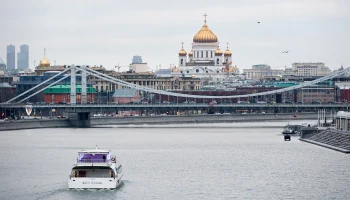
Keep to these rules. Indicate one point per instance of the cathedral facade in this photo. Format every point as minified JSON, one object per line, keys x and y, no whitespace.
{"x":206,"y":60}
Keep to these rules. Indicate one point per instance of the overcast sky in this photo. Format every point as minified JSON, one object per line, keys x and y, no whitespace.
{"x":108,"y":32}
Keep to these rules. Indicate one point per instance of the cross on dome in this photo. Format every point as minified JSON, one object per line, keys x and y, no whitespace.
{"x":227,"y":52}
{"x":205,"y":17}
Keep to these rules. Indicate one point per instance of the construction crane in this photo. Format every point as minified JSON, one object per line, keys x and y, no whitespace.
{"x":118,"y":66}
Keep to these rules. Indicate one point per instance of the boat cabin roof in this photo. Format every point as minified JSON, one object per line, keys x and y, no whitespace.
{"x":99,"y":151}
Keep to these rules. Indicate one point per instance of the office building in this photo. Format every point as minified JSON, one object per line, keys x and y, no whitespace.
{"x":23,"y":57}
{"x":310,"y":69}
{"x":136,"y":59}
{"x":11,"y":57}
{"x":261,"y":71}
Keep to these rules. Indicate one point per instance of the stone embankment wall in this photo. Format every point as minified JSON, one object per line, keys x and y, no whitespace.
{"x":60,"y":123}
{"x":171,"y":119}
{"x":333,"y":139}
{"x":35,"y":123}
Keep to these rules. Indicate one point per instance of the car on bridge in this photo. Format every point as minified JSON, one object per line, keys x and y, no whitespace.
{"x":243,"y":102}
{"x":333,"y":102}
{"x":214,"y":102}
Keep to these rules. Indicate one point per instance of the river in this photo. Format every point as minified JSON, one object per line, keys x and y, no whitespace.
{"x":213,"y":161}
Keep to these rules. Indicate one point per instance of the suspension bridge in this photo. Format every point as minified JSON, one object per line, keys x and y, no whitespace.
{"x":80,"y":112}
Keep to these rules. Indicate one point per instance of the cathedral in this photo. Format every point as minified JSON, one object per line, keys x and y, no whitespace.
{"x":206,"y":60}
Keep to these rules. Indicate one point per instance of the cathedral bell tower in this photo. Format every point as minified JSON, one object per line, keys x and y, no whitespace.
{"x":227,"y":56}
{"x":218,"y":57}
{"x":182,"y":57}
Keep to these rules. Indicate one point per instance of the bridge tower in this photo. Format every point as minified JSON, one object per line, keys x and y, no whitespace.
{"x":83,"y":85}
{"x":73,"y":92}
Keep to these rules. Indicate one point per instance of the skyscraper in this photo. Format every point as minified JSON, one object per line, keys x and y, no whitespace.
{"x":136,"y":59}
{"x":11,"y":57}
{"x":23,"y":57}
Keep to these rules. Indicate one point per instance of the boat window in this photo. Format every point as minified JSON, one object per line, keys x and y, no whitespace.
{"x":92,"y":157}
{"x":82,"y":173}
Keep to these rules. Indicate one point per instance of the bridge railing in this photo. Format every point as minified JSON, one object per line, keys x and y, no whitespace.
{"x":172,"y":105}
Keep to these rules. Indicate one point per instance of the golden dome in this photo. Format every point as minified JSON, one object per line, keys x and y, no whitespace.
{"x":182,"y":52}
{"x":227,"y":52}
{"x":44,"y":62}
{"x":190,"y":54}
{"x":218,"y":52}
{"x":205,"y":35}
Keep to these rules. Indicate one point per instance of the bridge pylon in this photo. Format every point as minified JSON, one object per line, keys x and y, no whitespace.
{"x":73,"y":89}
{"x":83,"y":85}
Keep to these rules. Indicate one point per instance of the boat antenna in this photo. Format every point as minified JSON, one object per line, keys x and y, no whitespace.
{"x":96,"y":146}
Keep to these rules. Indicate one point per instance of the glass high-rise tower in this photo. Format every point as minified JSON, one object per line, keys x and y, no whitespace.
{"x":23,"y":57}
{"x":11,"y":57}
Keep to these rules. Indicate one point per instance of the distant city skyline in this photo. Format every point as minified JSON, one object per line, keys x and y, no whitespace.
{"x":311,"y":31}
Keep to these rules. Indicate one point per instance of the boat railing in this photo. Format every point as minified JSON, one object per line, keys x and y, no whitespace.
{"x":89,"y":160}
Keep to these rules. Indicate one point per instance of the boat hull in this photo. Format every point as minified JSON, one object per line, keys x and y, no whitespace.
{"x":94,"y":183}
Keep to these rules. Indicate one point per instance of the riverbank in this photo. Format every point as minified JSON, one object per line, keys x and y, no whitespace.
{"x":183,"y":119}
{"x":170,"y":119}
{"x":33,"y":124}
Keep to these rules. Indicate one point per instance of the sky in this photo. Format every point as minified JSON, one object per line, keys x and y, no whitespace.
{"x":110,"y":32}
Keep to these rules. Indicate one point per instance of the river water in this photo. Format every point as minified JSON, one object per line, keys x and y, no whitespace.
{"x":201,"y":162}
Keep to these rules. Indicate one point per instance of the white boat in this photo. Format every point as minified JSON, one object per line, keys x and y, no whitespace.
{"x":95,"y":169}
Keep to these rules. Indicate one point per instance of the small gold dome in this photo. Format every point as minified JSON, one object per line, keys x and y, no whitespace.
{"x":182,"y":52}
{"x":218,"y":52}
{"x":44,"y":62}
{"x":205,"y":35}
{"x":190,"y":54}
{"x":227,"y":52}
